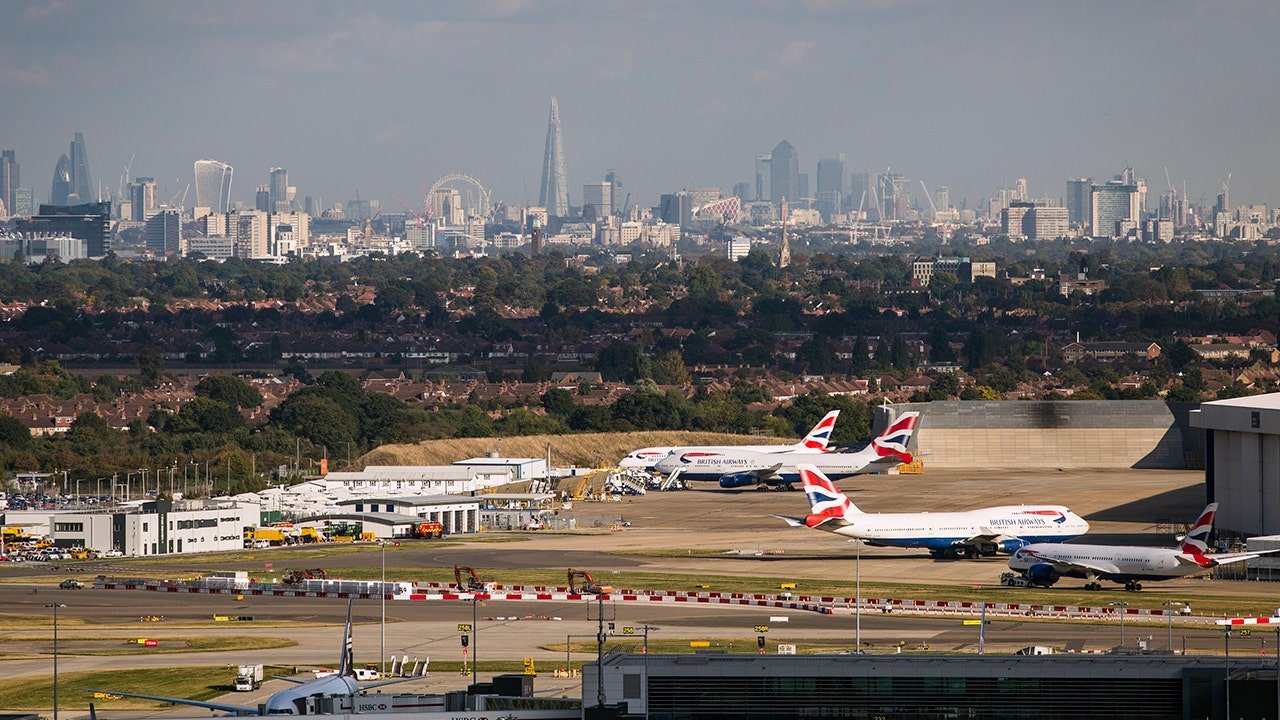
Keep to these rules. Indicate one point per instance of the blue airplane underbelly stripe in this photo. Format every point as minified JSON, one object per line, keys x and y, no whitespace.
{"x":943,"y":543}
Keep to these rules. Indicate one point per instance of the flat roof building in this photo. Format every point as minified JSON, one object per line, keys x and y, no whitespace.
{"x":1242,"y":461}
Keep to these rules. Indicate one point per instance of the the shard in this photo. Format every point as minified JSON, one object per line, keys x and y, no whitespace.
{"x":554,"y":195}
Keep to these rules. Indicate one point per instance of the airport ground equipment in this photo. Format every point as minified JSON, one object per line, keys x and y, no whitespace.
{"x":589,"y":586}
{"x":295,"y":577}
{"x":473,"y":582}
{"x":248,"y":678}
{"x":429,"y":530}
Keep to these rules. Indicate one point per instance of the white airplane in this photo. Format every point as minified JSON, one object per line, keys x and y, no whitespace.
{"x":294,"y":700}
{"x":815,"y":442}
{"x":970,"y":533}
{"x":734,"y":467}
{"x":1044,"y":563}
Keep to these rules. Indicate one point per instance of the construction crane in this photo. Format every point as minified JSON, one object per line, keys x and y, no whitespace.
{"x":625,"y":204}
{"x":929,"y":196}
{"x":473,"y":582}
{"x":589,"y":586}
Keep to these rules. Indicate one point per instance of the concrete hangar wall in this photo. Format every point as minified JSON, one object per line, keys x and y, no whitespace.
{"x":1062,"y":434}
{"x":1242,"y":461}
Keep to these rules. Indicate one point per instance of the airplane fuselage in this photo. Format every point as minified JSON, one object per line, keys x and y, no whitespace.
{"x":1114,"y":562}
{"x":714,"y":464}
{"x":648,"y":458}
{"x":1006,"y":527}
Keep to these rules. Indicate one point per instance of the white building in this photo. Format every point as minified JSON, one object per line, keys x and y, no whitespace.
{"x":1242,"y":461}
{"x":738,"y":248}
{"x":458,"y":514}
{"x":157,"y":527}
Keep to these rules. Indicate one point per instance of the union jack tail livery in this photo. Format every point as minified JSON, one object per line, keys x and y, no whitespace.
{"x":895,"y":438}
{"x":820,"y":436}
{"x":1196,"y":542}
{"x":826,"y":503}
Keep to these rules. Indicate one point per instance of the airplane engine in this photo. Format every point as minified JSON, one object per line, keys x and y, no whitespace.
{"x":737,"y":480}
{"x":1012,"y":545}
{"x":1043,"y":574}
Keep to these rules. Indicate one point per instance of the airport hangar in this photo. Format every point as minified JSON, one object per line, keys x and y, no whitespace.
{"x":1242,"y":461}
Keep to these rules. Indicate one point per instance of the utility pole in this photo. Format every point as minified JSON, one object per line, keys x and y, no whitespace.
{"x":599,"y":618}
{"x":55,"y":607}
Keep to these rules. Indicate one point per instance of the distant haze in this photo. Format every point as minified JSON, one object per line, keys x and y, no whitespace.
{"x":378,"y":97}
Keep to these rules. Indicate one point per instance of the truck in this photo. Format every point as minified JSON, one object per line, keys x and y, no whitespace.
{"x":248,"y":678}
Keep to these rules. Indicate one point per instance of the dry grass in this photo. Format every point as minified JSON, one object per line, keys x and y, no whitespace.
{"x":583,"y":450}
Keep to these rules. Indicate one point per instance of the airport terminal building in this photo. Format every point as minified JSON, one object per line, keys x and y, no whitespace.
{"x":1242,"y":461}
{"x":992,"y":687}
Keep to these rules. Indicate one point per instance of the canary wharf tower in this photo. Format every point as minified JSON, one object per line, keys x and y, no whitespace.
{"x":555,"y":180}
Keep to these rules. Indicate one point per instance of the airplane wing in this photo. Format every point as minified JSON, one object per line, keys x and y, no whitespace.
{"x":792,"y":521}
{"x":233,"y":709}
{"x":370,"y":686}
{"x":1102,"y":569}
{"x":288,"y":679}
{"x":766,"y":473}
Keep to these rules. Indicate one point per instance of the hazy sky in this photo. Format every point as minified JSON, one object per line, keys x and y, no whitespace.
{"x":382,"y":96}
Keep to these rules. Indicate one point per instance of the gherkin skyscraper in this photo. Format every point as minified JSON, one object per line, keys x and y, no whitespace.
{"x":554,"y":195}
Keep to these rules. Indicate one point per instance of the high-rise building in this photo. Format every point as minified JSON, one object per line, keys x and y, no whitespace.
{"x":1011,"y":218}
{"x":9,"y":179}
{"x":1044,"y":222}
{"x":597,"y":201}
{"x":802,"y":187}
{"x":615,"y":189}
{"x":90,"y":222}
{"x":163,"y":232}
{"x":943,"y":198}
{"x":142,"y":198}
{"x":784,"y":171}
{"x":1111,"y":204}
{"x":895,"y":196}
{"x":280,"y":201}
{"x":859,"y":191}
{"x":23,"y":202}
{"x":830,"y":185}
{"x":742,"y":191}
{"x":554,"y":195}
{"x":676,"y":208}
{"x":62,"y":187}
{"x":262,"y":198}
{"x":81,"y":185}
{"x":1079,"y":200}
{"x":213,"y":185}
{"x":764,"y":177}
{"x":248,"y":231}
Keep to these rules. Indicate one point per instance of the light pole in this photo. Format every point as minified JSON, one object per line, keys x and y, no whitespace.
{"x":55,"y":607}
{"x":1171,"y":604}
{"x":1226,"y":650}
{"x":857,"y":592}
{"x":382,"y":592}
{"x":1122,"y":605}
{"x":475,"y":636}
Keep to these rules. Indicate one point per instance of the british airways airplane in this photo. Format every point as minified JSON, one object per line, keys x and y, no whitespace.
{"x":735,"y":467}
{"x":293,"y":700}
{"x":970,"y":533}
{"x":815,"y":442}
{"x":1043,"y":564}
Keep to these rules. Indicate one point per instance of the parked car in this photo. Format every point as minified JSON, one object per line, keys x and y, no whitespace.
{"x":71,"y":584}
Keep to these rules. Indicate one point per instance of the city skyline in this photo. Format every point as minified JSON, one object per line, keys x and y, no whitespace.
{"x":691,"y":108}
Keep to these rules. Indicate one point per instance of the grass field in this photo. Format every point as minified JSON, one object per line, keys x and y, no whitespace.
{"x":583,"y":450}
{"x":71,"y":644}
{"x":196,"y":683}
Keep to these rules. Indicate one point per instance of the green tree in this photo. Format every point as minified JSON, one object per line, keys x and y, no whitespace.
{"x":13,"y":434}
{"x":558,"y":401}
{"x":211,"y":416}
{"x":817,"y":355}
{"x":940,"y":346}
{"x":229,"y":389}
{"x":669,"y":369}
{"x":319,"y":419}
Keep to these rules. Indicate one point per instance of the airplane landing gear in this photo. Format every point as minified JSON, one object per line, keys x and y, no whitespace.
{"x":1093,"y":586}
{"x":1133,"y":586}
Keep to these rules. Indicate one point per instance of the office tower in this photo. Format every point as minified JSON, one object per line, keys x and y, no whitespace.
{"x":309,"y":205}
{"x":764,"y":177}
{"x":62,"y":188}
{"x":943,"y":201}
{"x":554,"y":195}
{"x":213,"y":185}
{"x":1111,"y":204}
{"x":142,"y":198}
{"x":9,"y":179}
{"x":1044,"y":222}
{"x":895,"y":196}
{"x":859,"y":191}
{"x":597,"y":201}
{"x":248,"y":231}
{"x":1079,"y":200}
{"x":81,"y":185}
{"x":279,"y":200}
{"x":1012,"y":216}
{"x":742,"y":191}
{"x":676,"y":208}
{"x":163,"y":232}
{"x":784,"y":181}
{"x":1020,"y":190}
{"x":802,"y":187}
{"x":262,"y":198}
{"x":23,"y":202}
{"x":830,"y":185}
{"x":446,"y":204}
{"x":615,"y":190}
{"x":90,"y":222}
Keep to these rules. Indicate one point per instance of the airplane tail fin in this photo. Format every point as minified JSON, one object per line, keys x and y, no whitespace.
{"x":826,"y":502}
{"x":346,"y":666}
{"x":819,"y":438}
{"x":895,"y":438}
{"x":1196,"y":542}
